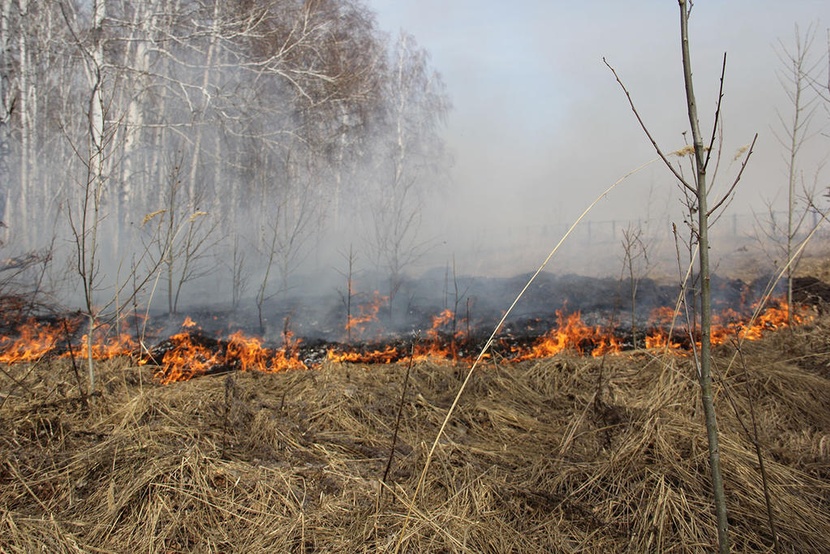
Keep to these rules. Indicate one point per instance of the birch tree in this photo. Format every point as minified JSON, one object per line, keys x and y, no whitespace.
{"x":97,"y":94}
{"x":6,"y":105}
{"x":413,"y":160}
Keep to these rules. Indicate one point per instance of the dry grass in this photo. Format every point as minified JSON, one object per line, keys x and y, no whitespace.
{"x":565,"y":454}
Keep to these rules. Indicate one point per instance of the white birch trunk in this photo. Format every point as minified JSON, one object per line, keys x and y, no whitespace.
{"x":199,"y":116}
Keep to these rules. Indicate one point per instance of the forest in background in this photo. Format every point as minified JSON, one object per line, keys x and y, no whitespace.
{"x":146,"y":144}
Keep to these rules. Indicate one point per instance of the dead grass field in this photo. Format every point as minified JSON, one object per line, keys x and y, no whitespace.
{"x":566,"y":454}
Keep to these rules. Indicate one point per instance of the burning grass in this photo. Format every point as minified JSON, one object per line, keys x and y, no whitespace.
{"x":564,"y":454}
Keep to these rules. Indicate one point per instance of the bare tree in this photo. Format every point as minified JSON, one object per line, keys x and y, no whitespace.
{"x":97,"y":158}
{"x":110,"y":90}
{"x":413,"y":159}
{"x":86,"y":224}
{"x":181,"y":239}
{"x":238,"y":269}
{"x":347,"y":295}
{"x":286,"y":235}
{"x":698,"y":194}
{"x":635,"y":263}
{"x":795,"y":131}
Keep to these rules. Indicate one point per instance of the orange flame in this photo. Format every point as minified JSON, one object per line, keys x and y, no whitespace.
{"x":659,"y":339}
{"x":187,"y":355}
{"x":727,"y":325}
{"x":367,"y":313}
{"x":107,"y":347}
{"x":250,"y":355}
{"x":185,"y":360}
{"x":385,"y":356}
{"x":188,"y":358}
{"x":439,"y":321}
{"x":35,"y":340}
{"x":436,"y":347}
{"x":572,"y":334}
{"x":731,"y":326}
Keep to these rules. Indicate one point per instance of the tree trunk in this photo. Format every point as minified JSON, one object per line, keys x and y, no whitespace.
{"x":95,"y":183}
{"x":705,"y":369}
{"x":22,"y":207}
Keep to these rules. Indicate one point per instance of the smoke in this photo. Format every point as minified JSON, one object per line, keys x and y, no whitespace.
{"x":540,"y":127}
{"x":462,"y":148}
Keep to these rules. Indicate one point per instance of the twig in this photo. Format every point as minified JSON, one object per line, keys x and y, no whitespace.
{"x":398,"y":418}
{"x":646,"y":131}
{"x":229,"y":397}
{"x":753,"y":438}
{"x":13,"y":469}
{"x":74,"y":364}
{"x":717,"y":113}
{"x":737,"y":178}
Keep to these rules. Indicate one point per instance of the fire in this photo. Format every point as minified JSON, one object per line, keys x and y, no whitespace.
{"x":664,"y":316}
{"x":106,"y":348}
{"x":659,"y":339}
{"x":249,"y":354}
{"x":385,"y":356}
{"x":185,"y":360}
{"x":194,"y":355}
{"x":439,"y":321}
{"x":572,"y":334}
{"x":34,"y":341}
{"x":730,"y":326}
{"x":191,"y":353}
{"x":437,"y":347}
{"x":367,"y":314}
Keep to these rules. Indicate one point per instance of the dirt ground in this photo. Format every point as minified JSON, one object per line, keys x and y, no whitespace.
{"x":566,"y":454}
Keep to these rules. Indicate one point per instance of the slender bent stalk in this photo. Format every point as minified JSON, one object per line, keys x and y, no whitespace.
{"x":487,"y":345}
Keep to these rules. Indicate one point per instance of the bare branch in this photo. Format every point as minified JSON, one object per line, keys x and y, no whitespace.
{"x":646,"y":131}
{"x":737,"y":178}
{"x":717,"y":112}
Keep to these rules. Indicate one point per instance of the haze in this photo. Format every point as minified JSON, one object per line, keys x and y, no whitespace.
{"x":540,"y":127}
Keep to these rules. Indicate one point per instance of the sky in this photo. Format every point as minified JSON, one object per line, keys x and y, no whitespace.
{"x":540,"y":128}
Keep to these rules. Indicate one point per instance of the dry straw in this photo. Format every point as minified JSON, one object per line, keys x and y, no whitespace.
{"x":567,"y":454}
{"x":492,"y":337}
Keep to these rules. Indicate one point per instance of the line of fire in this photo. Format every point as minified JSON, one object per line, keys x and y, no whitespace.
{"x":194,"y":351}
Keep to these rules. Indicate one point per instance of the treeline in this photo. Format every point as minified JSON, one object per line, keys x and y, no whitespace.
{"x":166,"y":139}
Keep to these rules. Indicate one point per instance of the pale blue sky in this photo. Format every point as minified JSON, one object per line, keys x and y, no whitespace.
{"x":540,"y":127}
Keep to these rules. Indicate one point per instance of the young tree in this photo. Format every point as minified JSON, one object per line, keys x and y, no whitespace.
{"x":86,"y":224}
{"x":794,"y":133}
{"x":698,"y":195}
{"x":635,"y":263}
